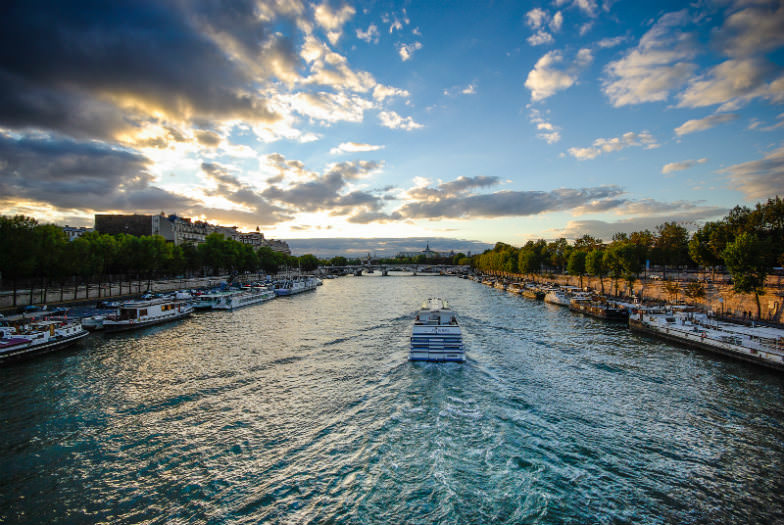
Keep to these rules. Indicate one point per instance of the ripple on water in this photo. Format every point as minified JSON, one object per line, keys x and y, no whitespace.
{"x":307,"y":411}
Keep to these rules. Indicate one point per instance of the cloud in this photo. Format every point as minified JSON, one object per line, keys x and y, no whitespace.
{"x":691,"y":126}
{"x":753,"y":30}
{"x":330,"y":107}
{"x":79,"y":175}
{"x":602,"y":145}
{"x":353,"y":147}
{"x":642,"y":215}
{"x":540,"y":37}
{"x":734,"y":83}
{"x":545,"y":79}
{"x":658,"y":64}
{"x":536,"y":18}
{"x":606,"y":43}
{"x":382,"y":92}
{"x":683,"y":165}
{"x":329,"y":192}
{"x":332,"y":20}
{"x":759,"y":179}
{"x":452,"y":201}
{"x":392,"y":120}
{"x":371,"y":35}
{"x":557,"y":22}
{"x":546,"y":130}
{"x":586,"y":6}
{"x":207,"y":138}
{"x":406,"y":51}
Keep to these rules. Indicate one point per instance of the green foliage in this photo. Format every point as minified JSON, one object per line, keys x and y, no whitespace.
{"x":308,"y":262}
{"x":576,"y":265}
{"x":748,"y":261}
{"x":694,"y":290}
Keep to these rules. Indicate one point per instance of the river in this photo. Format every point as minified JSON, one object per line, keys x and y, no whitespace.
{"x":305,"y":410}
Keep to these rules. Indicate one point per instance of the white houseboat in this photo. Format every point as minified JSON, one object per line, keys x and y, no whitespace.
{"x":756,"y":344}
{"x":436,"y":334}
{"x":139,"y":314}
{"x":295,"y":286}
{"x":24,"y":340}
{"x":244,"y":297}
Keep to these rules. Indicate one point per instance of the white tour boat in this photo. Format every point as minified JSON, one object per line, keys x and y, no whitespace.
{"x":38,"y":337}
{"x":436,"y":334}
{"x":244,"y":297}
{"x":295,"y":286}
{"x":139,"y":314}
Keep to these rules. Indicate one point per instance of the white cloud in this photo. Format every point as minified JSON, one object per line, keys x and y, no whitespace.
{"x":371,"y":35}
{"x":557,"y":22}
{"x":536,"y":18}
{"x":682,"y":165}
{"x":586,"y":6}
{"x":606,"y":43}
{"x":392,"y":120}
{"x":657,"y":65}
{"x":544,"y":80}
{"x":759,"y":179}
{"x":354,"y":147}
{"x":755,"y":29}
{"x":332,"y":20}
{"x":732,"y":84}
{"x":381,"y":92}
{"x":407,"y":50}
{"x":330,"y":107}
{"x":602,"y":145}
{"x":545,"y":130}
{"x":691,"y":126}
{"x":470,"y":89}
{"x":540,"y":37}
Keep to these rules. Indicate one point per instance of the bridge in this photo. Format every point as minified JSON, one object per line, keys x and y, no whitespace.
{"x":395,"y":269}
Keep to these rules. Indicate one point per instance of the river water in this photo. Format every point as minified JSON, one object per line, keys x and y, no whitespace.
{"x":306,"y":410}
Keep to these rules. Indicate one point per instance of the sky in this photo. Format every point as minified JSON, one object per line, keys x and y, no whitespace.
{"x":482,"y":121}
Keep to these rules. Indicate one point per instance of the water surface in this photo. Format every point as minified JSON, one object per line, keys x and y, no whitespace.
{"x":306,"y":410}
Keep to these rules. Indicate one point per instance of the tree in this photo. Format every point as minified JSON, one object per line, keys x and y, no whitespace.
{"x":338,"y":261}
{"x":17,"y":253}
{"x":748,"y":261}
{"x":673,"y":289}
{"x":701,"y":247}
{"x":594,"y":265}
{"x":694,"y":290}
{"x":671,"y":246}
{"x":308,"y":262}
{"x":576,"y":265}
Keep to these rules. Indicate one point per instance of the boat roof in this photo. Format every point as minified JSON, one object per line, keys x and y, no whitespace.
{"x":435,"y":303}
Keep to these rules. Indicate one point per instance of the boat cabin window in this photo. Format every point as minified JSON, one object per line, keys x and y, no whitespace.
{"x":127,"y":313}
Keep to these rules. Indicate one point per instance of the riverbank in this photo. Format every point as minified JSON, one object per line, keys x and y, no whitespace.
{"x":719,"y":299}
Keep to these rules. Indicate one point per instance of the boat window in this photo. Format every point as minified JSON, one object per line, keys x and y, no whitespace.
{"x":142,"y":312}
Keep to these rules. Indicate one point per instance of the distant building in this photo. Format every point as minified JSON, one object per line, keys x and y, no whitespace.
{"x":74,"y":232}
{"x":427,"y":252}
{"x":180,"y":230}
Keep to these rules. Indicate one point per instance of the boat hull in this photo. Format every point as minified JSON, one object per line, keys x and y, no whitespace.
{"x":29,"y":351}
{"x":695,"y":340}
{"x":124,"y":326}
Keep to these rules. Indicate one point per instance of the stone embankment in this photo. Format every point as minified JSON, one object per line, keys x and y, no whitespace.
{"x":110,"y":291}
{"x":720,"y":299}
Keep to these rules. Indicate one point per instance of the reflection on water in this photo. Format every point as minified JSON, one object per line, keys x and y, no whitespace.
{"x":305,"y":410}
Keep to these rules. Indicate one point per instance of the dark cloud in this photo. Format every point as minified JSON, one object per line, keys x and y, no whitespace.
{"x":691,"y":219}
{"x":208,"y":138}
{"x":325,"y":192}
{"x":233,"y":190}
{"x":502,"y":203}
{"x":69,"y":66}
{"x":382,"y":247}
{"x":74,"y":175}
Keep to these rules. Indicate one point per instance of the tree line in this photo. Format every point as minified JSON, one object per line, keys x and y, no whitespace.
{"x":41,"y":253}
{"x":748,"y":243}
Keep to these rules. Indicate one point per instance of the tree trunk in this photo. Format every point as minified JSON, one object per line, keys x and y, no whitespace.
{"x":14,"y":281}
{"x":759,"y":308}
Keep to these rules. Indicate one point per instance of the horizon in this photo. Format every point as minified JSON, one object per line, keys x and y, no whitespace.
{"x":340,"y":120}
